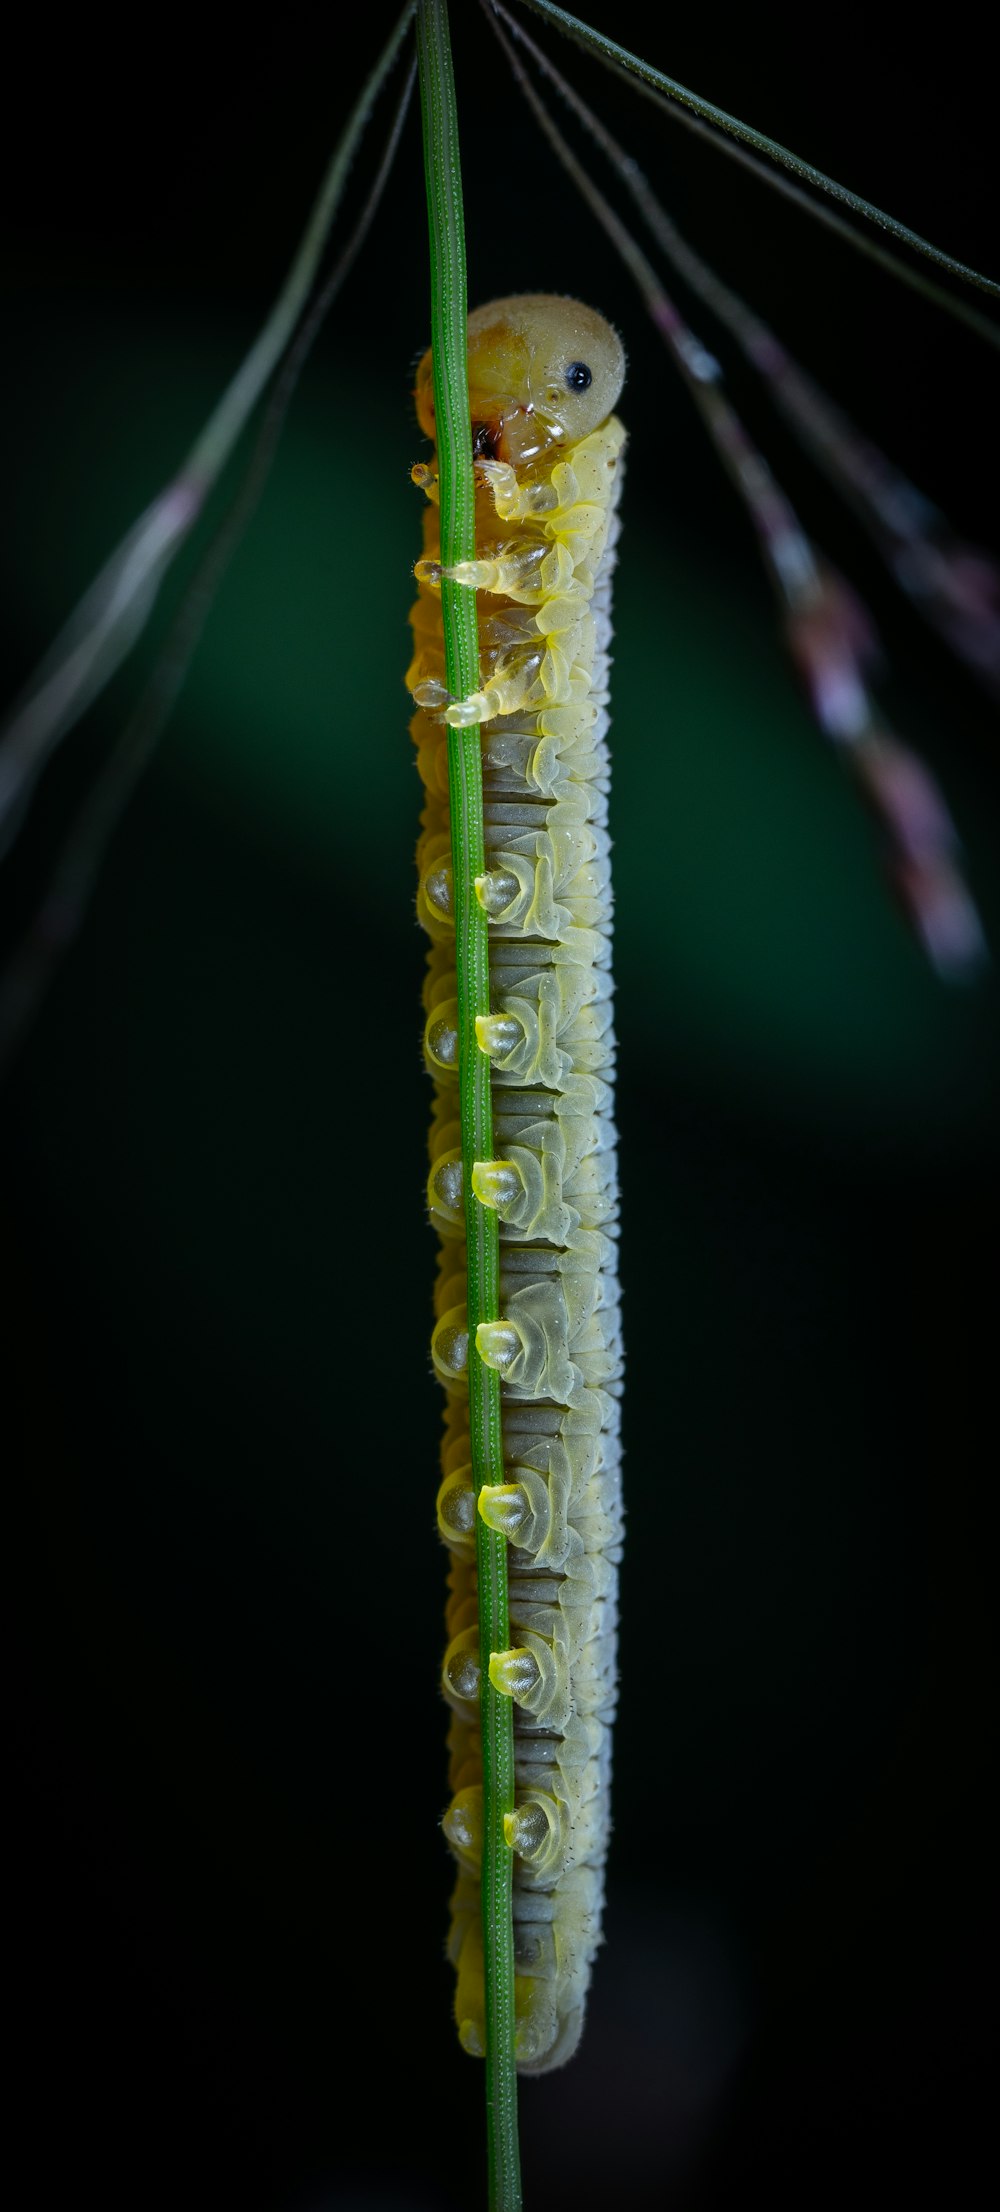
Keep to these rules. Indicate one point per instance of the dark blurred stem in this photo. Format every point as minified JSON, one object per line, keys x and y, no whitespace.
{"x":727,"y":128}
{"x":826,"y":629}
{"x":113,"y":613}
{"x":953,"y":585}
{"x":66,"y":900}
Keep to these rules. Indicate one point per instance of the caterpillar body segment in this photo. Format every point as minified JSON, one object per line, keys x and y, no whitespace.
{"x":545,"y":374}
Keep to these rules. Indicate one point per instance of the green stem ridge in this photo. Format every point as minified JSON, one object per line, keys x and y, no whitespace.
{"x":461,"y":645}
{"x":617,"y":57}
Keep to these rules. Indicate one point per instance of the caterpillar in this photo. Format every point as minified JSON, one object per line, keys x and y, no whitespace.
{"x":545,"y":374}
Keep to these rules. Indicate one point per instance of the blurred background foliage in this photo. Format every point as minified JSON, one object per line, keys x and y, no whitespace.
{"x":229,"y":1762}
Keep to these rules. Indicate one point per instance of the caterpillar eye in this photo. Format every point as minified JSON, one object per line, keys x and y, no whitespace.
{"x":578,"y":377}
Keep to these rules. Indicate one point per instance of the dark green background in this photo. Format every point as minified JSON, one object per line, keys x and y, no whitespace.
{"x":228,"y":1761}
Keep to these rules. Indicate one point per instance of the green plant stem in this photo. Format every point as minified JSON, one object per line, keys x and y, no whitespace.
{"x":461,"y":646}
{"x":618,"y":58}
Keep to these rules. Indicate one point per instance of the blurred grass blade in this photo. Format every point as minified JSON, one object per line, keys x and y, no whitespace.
{"x":64,"y":905}
{"x":954,"y":585}
{"x":113,"y":612}
{"x":442,"y":164}
{"x":827,"y":631}
{"x":679,"y":97}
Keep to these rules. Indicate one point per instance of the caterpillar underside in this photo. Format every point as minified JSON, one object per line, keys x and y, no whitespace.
{"x":546,"y":527}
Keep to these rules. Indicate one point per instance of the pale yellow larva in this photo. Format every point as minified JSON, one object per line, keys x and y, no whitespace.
{"x":545,"y":374}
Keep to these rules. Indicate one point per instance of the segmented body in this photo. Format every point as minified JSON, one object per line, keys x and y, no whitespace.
{"x":545,"y":534}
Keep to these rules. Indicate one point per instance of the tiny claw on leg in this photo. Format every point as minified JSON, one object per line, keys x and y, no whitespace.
{"x":425,"y":478}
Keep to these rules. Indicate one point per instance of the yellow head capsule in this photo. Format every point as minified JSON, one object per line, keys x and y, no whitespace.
{"x":544,"y":371}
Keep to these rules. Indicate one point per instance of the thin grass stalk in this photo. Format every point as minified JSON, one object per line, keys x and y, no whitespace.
{"x":953,"y":585}
{"x":461,"y":648}
{"x":618,"y":57}
{"x":820,"y":211}
{"x":113,"y":612}
{"x":65,"y":901}
{"x":827,"y":631}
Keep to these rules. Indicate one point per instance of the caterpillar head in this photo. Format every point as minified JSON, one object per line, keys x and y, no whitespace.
{"x":543,"y":371}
